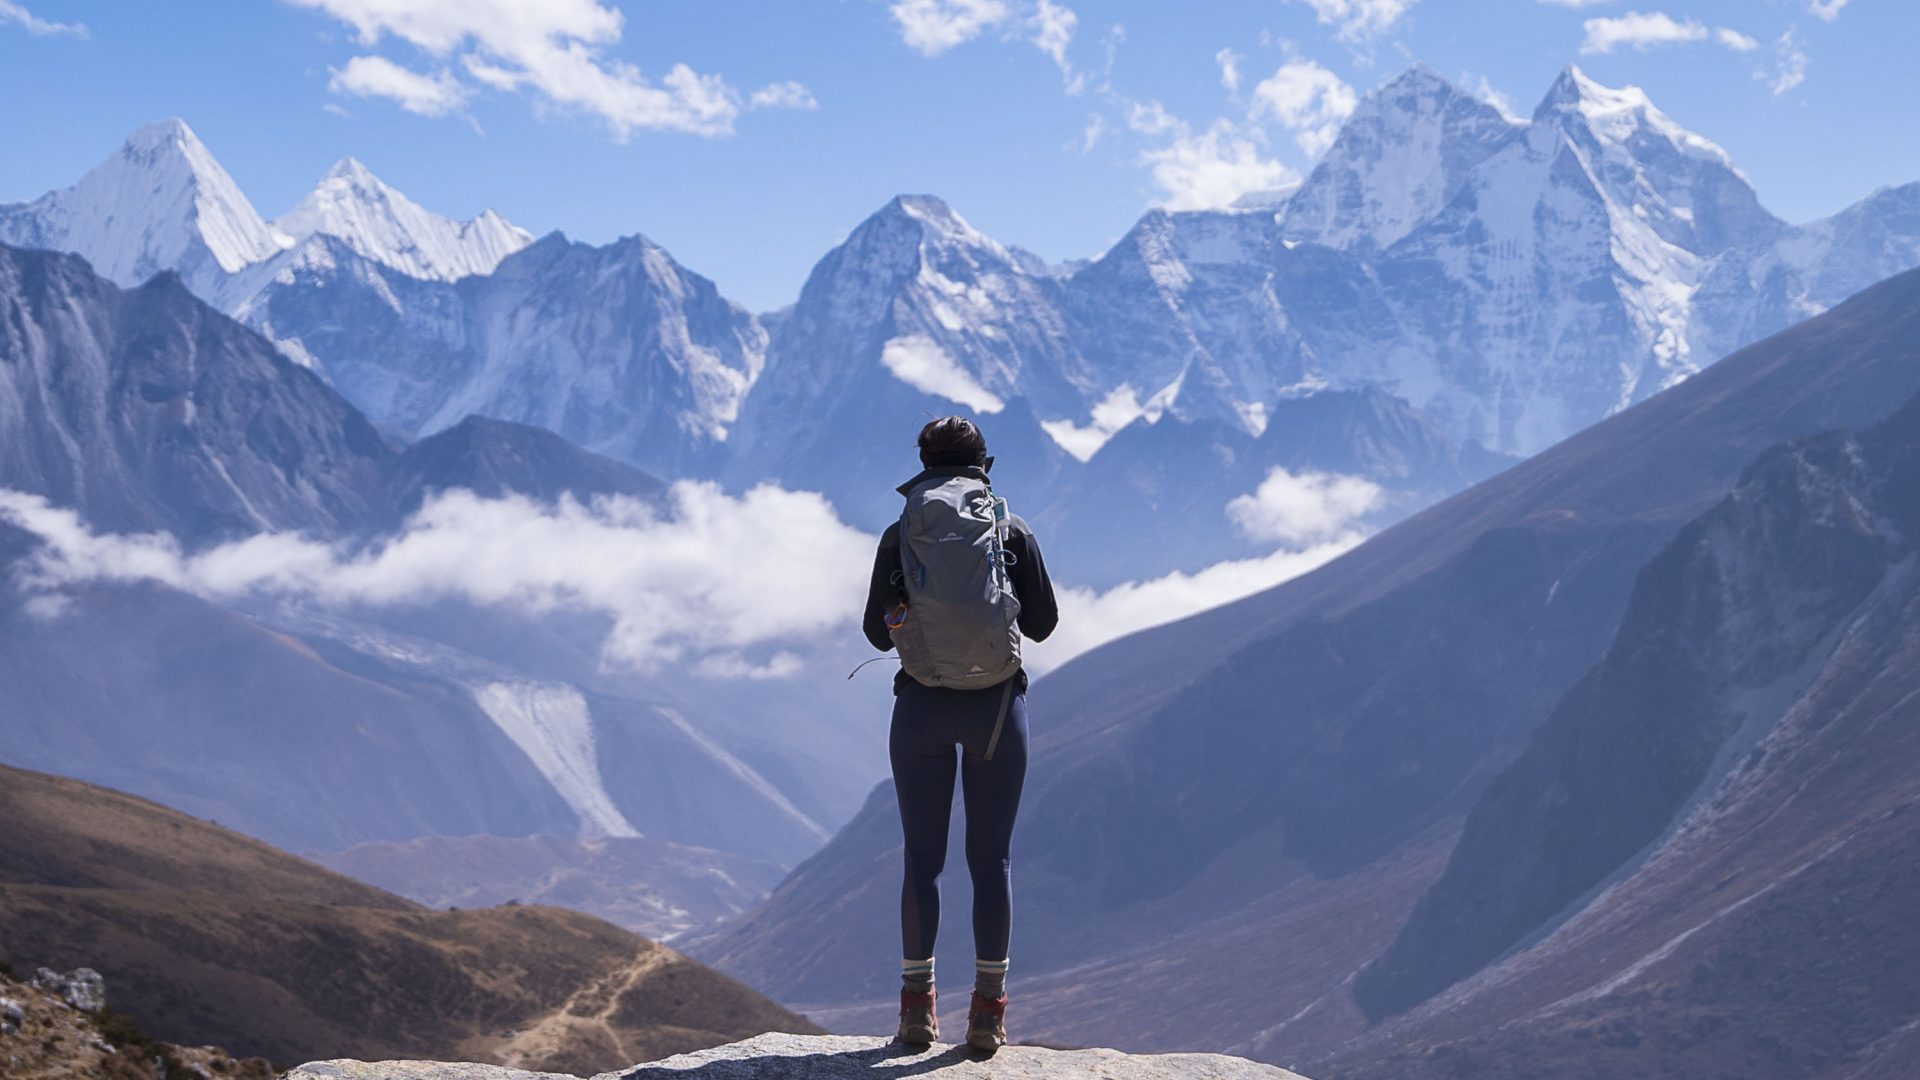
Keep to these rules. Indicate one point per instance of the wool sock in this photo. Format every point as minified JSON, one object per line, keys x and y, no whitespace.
{"x":917,"y":975}
{"x":990,"y":978}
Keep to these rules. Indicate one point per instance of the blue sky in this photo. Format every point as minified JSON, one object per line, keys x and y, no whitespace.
{"x":1051,"y":125}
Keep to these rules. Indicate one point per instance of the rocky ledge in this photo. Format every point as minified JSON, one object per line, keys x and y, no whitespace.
{"x":826,"y":1057}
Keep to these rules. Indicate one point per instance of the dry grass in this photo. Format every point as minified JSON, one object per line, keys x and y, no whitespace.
{"x":205,"y":936}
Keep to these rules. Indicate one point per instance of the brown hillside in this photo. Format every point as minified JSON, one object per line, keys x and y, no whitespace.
{"x":206,"y":936}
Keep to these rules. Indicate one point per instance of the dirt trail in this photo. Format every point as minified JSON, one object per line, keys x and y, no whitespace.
{"x":586,"y":1017}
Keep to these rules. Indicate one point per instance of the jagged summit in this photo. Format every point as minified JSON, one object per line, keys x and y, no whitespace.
{"x":159,"y":202}
{"x":1405,"y":151}
{"x":378,"y":222}
{"x":1620,"y":113}
{"x":159,"y":133}
{"x":935,"y":219}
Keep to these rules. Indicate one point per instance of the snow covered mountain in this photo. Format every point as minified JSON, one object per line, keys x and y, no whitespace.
{"x":1399,"y":158}
{"x":379,"y":223}
{"x":618,"y":348}
{"x":915,"y":315}
{"x":1509,"y":281}
{"x":161,"y":202}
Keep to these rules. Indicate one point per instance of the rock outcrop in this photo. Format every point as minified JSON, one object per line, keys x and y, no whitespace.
{"x":826,"y":1057}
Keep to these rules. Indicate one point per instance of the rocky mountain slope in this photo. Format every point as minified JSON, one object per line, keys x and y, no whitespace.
{"x":828,"y":1056}
{"x":1703,"y":855}
{"x":59,"y":1026}
{"x":145,"y":409}
{"x":209,"y":937}
{"x":1276,"y":782}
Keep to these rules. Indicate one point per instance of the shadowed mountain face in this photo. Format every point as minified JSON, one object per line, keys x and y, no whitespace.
{"x":145,"y":409}
{"x":1322,"y":739}
{"x":1705,"y":857}
{"x":205,"y":936}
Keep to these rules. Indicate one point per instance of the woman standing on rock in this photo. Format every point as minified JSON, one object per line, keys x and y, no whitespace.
{"x":956,"y":583}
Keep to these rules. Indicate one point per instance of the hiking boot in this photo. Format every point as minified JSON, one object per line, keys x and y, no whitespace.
{"x":987,"y":1023}
{"x":918,"y":1024}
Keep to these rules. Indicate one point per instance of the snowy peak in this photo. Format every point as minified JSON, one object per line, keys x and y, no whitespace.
{"x":374,"y":219}
{"x":1681,"y":185}
{"x":931,"y":221}
{"x":161,"y":202}
{"x":1404,"y":152}
{"x":1620,"y":116}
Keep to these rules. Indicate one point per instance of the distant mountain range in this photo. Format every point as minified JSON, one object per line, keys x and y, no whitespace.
{"x":1272,"y":793}
{"x":1508,"y":282}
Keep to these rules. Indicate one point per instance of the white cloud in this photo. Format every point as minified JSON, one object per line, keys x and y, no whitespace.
{"x":1091,"y":135}
{"x":37,"y":25}
{"x":1151,"y":118}
{"x":1306,"y":99}
{"x":1229,"y":62}
{"x":780,"y":665}
{"x":1734,"y":39}
{"x":1826,"y":9}
{"x":1359,"y":21}
{"x":13,"y":13}
{"x":1790,"y":63}
{"x":702,"y":580}
{"x":1639,"y":30}
{"x":931,"y":27}
{"x":1575,"y":3}
{"x":1315,"y":515}
{"x":557,"y":49}
{"x":923,"y":365}
{"x":1216,"y":167}
{"x":1053,"y":26}
{"x":378,"y":77}
{"x":1303,"y":508}
{"x":1212,"y":169}
{"x":1119,"y":408}
{"x":1089,"y":618}
{"x":1483,"y":88}
{"x":784,"y":95}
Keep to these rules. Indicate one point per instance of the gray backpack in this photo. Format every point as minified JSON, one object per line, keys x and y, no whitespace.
{"x":959,"y":627}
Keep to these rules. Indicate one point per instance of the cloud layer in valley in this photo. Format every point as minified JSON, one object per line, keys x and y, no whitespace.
{"x":700,"y":582}
{"x":703,"y":582}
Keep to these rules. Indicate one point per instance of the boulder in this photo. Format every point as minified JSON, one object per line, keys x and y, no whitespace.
{"x":82,"y":988}
{"x":828,"y":1057}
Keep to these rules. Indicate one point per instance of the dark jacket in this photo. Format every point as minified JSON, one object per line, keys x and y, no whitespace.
{"x":1038,"y":611}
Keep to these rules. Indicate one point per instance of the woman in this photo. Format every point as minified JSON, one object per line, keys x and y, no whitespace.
{"x":940,"y":708}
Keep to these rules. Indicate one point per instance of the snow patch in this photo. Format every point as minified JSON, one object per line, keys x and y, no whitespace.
{"x":551,"y":724}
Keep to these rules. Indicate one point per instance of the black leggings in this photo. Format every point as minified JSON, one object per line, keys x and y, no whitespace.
{"x":927,"y":724}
